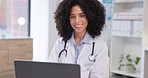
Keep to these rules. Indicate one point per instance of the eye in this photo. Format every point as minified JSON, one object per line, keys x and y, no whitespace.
{"x":82,"y":15}
{"x":72,"y":17}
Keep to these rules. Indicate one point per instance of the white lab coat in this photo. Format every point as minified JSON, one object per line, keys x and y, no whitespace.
{"x":89,"y":69}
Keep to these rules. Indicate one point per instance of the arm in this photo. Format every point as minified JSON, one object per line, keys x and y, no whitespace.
{"x":53,"y":57}
{"x":100,"y":65}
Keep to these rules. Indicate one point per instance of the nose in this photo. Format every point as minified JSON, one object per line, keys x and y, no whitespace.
{"x":77,"y":19}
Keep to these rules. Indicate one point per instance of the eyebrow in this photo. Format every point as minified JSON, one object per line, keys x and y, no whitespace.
{"x":79,"y":13}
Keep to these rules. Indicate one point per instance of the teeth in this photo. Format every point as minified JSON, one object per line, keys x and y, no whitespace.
{"x":78,"y":25}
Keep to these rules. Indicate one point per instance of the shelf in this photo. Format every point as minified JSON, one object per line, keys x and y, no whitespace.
{"x":129,"y":1}
{"x":136,"y":74}
{"x":127,"y":36}
{"x":128,"y":19}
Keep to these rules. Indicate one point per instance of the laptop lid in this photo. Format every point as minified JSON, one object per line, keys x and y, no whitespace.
{"x":33,"y":69}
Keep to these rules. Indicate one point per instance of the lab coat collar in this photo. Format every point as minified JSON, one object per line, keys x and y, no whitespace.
{"x":85,"y":40}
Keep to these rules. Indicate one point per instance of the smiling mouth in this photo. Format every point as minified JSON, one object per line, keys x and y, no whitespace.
{"x":78,"y":26}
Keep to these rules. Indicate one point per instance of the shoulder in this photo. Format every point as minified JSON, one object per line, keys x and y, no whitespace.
{"x":58,"y":44}
{"x":101,"y":46}
{"x":59,"y":41}
{"x":100,"y":41}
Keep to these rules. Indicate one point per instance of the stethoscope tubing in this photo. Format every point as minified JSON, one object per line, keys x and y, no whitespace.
{"x":64,"y":49}
{"x":91,"y":57}
{"x":93,"y":49}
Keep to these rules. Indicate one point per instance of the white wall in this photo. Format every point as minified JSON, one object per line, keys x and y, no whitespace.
{"x":43,"y":30}
{"x":53,"y":34}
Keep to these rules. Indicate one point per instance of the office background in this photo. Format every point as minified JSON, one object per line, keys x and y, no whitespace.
{"x":43,"y":30}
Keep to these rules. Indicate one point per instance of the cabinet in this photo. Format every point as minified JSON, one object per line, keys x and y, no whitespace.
{"x":126,"y":37}
{"x":11,"y":49}
{"x":3,"y":55}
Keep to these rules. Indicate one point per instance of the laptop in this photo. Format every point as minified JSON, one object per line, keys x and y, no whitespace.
{"x":34,"y":69}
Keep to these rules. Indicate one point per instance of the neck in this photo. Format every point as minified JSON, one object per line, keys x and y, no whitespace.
{"x":78,"y":37}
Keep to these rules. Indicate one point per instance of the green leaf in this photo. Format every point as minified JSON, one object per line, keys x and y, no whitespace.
{"x":121,"y":65}
{"x":137,"y":60}
{"x":121,"y":58}
{"x":129,"y":59}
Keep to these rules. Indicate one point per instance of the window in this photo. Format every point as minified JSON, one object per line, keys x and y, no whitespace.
{"x":14,"y":18}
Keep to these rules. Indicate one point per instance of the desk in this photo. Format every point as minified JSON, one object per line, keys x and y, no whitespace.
{"x":11,"y":49}
{"x":8,"y":76}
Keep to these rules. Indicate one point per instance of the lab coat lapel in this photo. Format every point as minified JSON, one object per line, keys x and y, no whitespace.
{"x":86,"y":50}
{"x":70,"y":52}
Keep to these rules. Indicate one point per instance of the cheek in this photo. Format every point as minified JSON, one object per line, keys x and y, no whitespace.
{"x":71,"y":23}
{"x":86,"y":23}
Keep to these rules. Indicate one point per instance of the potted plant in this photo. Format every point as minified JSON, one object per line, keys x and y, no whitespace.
{"x":129,"y":62}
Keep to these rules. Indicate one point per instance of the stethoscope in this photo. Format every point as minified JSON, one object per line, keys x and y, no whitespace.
{"x":91,"y":56}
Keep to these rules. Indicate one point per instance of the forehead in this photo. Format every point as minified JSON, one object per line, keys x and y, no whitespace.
{"x":76,"y":9}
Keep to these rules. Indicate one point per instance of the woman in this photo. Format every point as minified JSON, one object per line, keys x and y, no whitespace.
{"x":79,"y":24}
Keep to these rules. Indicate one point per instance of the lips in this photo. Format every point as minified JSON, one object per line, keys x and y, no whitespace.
{"x":78,"y":26}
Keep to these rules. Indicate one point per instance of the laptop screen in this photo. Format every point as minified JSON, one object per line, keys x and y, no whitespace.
{"x":33,"y":69}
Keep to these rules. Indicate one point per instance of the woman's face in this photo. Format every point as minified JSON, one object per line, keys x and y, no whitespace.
{"x":78,"y":19}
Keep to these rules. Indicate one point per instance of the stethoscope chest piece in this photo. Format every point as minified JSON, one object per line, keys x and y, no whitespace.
{"x":91,"y":57}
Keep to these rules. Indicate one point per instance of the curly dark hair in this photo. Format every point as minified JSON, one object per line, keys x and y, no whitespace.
{"x":94,"y":11}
